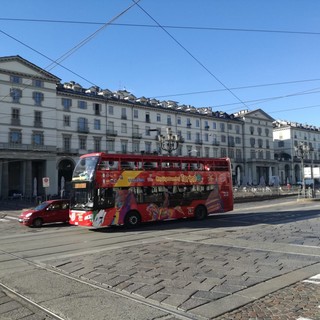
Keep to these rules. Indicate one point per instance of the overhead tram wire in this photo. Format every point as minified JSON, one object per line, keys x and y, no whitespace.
{"x":236,"y":88}
{"x":58,"y":61}
{"x":189,"y":53}
{"x":164,"y":26}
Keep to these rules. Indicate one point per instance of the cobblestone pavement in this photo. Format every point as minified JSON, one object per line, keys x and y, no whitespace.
{"x":299,"y":301}
{"x":195,"y":270}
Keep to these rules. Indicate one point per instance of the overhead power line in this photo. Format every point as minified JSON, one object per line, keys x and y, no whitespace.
{"x":189,"y":53}
{"x":164,"y":26}
{"x":58,"y":61}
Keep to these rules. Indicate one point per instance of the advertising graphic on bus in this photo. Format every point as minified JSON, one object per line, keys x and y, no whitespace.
{"x":121,"y":189}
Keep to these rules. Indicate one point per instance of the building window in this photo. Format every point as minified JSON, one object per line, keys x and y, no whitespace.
{"x":124,"y":146}
{"x":38,"y":119}
{"x":67,"y":143}
{"x":259,"y":131}
{"x":82,"y":104}
{"x":110,"y":145}
{"x":253,"y":154}
{"x":15,"y":136}
{"x":169,"y":120}
{"x":238,"y":154}
{"x":38,"y":98}
{"x":214,"y":125}
{"x":237,"y":127}
{"x":158,"y":117}
{"x":206,"y":152}
{"x":215,"y":152}
{"x":222,"y":127}
{"x":267,"y":144}
{"x":110,"y":110}
{"x":136,"y":146}
{"x":147,"y":132}
{"x":124,"y":113}
{"x":37,"y":83}
{"x":267,"y":131}
{"x":148,"y":117}
{"x":189,"y":122}
{"x":97,"y":125}
{"x":97,"y":109}
{"x":179,"y":120}
{"x":229,"y":126}
{"x":252,"y":142}
{"x":188,"y":135}
{"x":206,"y":137}
{"x":66,"y":121}
{"x":16,"y":95}
{"x":197,"y":123}
{"x":97,"y":144}
{"x":238,"y":140}
{"x":37,"y":138}
{"x":252,"y":130}
{"x":123,"y":128}
{"x":148,"y":147}
{"x":15,"y":79}
{"x":83,"y":125}
{"x":223,"y":138}
{"x":82,"y":142}
{"x":260,"y":143}
{"x":136,"y":113}
{"x":15,"y":116}
{"x":66,"y":103}
{"x":223,"y":152}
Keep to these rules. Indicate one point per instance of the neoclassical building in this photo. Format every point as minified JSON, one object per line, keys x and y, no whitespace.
{"x":46,"y":125}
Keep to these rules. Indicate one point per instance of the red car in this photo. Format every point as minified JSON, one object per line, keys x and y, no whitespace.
{"x":46,"y":212}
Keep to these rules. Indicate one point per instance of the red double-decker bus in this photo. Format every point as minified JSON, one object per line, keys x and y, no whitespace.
{"x":121,"y":189}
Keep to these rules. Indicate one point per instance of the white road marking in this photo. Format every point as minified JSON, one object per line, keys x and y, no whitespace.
{"x":315,"y":279}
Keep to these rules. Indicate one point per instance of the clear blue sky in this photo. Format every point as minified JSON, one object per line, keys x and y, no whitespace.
{"x":216,"y":48}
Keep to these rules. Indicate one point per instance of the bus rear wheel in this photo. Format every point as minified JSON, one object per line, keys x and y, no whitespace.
{"x":200,"y":213}
{"x":132,"y":219}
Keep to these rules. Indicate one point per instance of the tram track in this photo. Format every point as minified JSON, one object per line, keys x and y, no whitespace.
{"x":34,"y":306}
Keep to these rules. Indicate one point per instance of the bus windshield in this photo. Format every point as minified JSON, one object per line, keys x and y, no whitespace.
{"x":82,"y":199}
{"x":85,"y":169}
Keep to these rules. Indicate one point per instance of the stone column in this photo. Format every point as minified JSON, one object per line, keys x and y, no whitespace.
{"x":27,"y":173}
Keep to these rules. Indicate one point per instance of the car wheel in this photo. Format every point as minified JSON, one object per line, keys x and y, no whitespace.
{"x":37,"y":223}
{"x":132,"y":219}
{"x":200,"y":213}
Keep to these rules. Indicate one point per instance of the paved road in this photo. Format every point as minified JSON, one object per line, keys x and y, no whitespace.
{"x":261,"y":261}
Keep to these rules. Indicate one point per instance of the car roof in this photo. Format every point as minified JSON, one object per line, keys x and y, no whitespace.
{"x":56,"y":200}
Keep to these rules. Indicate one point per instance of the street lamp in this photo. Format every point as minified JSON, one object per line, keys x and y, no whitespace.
{"x":168,"y":142}
{"x":302,"y":150}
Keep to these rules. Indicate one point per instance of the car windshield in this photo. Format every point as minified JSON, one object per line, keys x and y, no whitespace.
{"x":41,"y":206}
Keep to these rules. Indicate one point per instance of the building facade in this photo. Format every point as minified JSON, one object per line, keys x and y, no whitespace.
{"x":46,"y":125}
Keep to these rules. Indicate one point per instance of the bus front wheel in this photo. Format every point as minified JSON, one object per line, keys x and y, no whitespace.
{"x":132,"y":219}
{"x":200,"y":213}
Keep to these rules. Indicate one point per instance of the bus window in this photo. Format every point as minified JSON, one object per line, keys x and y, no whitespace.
{"x":126,"y":165}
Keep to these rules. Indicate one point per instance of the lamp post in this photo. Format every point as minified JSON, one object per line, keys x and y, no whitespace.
{"x":302,"y":150}
{"x":168,"y":142}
